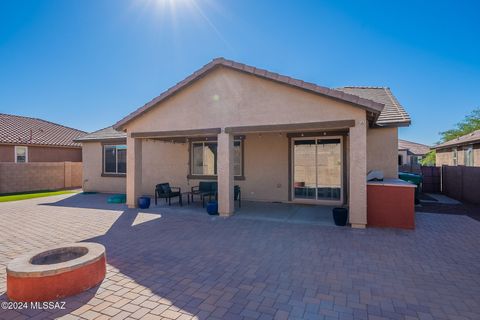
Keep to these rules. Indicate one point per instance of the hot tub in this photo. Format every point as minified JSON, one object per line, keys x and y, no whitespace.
{"x":57,"y":272}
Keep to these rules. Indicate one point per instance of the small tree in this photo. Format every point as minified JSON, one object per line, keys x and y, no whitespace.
{"x":469,"y":124}
{"x":429,"y":159}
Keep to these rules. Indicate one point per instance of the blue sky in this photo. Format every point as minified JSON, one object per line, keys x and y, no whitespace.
{"x":86,"y":64}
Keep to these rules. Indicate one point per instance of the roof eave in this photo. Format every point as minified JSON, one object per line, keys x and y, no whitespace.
{"x":394,"y":124}
{"x":458,"y":144}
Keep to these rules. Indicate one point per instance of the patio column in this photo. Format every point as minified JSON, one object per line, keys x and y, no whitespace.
{"x":358,"y":174}
{"x":225,"y":174}
{"x":134,"y":170}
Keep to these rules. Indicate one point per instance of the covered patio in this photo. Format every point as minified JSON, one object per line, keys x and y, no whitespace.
{"x":300,"y":185}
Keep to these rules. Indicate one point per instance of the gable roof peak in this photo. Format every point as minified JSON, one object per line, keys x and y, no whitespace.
{"x":374,"y":107}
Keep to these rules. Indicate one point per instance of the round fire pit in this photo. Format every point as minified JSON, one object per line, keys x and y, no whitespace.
{"x":62,"y":271}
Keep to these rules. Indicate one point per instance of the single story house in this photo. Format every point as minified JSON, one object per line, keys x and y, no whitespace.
{"x":410,"y":153}
{"x":278,"y":138}
{"x":24,"y":139}
{"x":464,"y":150}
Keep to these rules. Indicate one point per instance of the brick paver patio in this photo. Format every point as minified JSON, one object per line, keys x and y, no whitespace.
{"x":189,"y":266}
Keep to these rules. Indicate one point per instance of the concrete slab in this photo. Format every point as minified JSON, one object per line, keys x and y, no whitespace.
{"x":441,"y":199}
{"x":286,"y":212}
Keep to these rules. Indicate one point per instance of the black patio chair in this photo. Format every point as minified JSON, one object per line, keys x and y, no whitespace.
{"x":205,"y":189}
{"x":163,"y":190}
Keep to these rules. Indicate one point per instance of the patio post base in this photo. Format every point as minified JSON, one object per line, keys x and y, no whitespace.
{"x":359,"y":225}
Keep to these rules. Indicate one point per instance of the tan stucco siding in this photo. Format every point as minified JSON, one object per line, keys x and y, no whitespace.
{"x":382,"y":151}
{"x":266,"y":168}
{"x":164,"y":162}
{"x":444,"y":158}
{"x":230,"y":98}
{"x":92,"y":171}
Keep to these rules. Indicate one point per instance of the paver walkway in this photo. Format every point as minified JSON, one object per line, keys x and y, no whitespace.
{"x":189,"y":266}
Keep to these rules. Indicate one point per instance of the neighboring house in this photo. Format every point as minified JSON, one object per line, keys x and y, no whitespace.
{"x":464,"y":150}
{"x":24,"y":139}
{"x":278,"y":138}
{"x":410,"y":153}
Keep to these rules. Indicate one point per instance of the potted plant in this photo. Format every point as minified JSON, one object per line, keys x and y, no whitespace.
{"x":143,"y":202}
{"x":340,"y":216}
{"x":212,"y":208}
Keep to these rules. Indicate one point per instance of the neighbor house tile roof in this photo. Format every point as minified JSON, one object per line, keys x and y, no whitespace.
{"x":413,"y":147}
{"x":392,"y":114}
{"x":108,"y":133}
{"x":32,"y":131}
{"x":375,"y":107}
{"x":473,"y":137}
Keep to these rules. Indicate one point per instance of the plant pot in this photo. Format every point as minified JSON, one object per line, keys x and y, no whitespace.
{"x":340,"y":216}
{"x":143,"y":202}
{"x":212,"y":208}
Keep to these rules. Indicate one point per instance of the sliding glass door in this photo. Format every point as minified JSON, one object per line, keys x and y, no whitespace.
{"x":317,"y":169}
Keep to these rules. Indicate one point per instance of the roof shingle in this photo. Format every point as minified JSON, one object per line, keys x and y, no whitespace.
{"x":32,"y":131}
{"x":108,"y":133}
{"x":413,"y":147}
{"x":392,"y":114}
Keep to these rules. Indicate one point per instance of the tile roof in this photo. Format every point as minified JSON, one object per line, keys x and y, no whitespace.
{"x":392,"y":114}
{"x":473,"y":137}
{"x":32,"y":131}
{"x":413,"y":147}
{"x":374,"y":107}
{"x":108,"y":133}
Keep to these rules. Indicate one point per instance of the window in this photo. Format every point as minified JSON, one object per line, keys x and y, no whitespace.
{"x":21,"y":154}
{"x":114,"y":159}
{"x":400,"y":159}
{"x":204,"y":158}
{"x":468,"y":156}
{"x":416,"y":160}
{"x":455,"y":154}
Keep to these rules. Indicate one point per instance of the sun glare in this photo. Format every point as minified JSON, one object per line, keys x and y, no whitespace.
{"x":193,"y":11}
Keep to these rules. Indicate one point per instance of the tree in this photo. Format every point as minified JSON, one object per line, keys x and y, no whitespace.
{"x":469,"y":124}
{"x":429,"y":159}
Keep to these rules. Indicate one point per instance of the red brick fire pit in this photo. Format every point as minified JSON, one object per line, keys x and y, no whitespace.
{"x":46,"y":275}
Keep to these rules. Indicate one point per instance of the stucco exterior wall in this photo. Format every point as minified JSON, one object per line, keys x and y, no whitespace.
{"x":92,"y":171}
{"x":7,"y":153}
{"x":42,"y":154}
{"x":229,"y":98}
{"x":445,"y":156}
{"x":164,"y":162}
{"x":266,"y":168}
{"x":382,"y":151}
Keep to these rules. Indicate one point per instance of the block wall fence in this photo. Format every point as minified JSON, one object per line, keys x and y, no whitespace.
{"x":36,"y":176}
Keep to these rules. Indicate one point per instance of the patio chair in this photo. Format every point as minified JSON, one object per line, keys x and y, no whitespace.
{"x":163,"y":190}
{"x":205,"y":189}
